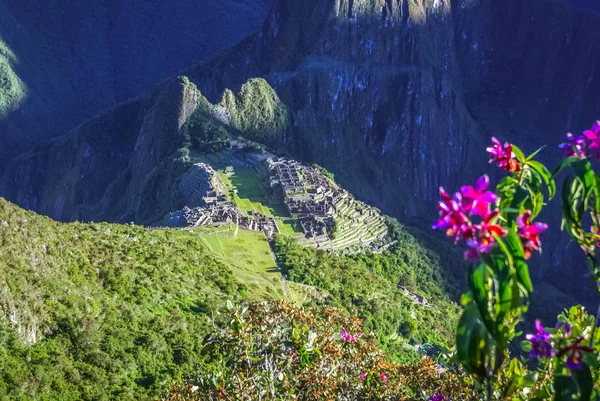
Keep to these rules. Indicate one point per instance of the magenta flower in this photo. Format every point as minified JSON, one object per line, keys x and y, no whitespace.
{"x":383,"y":377}
{"x":575,"y":147}
{"x":362,"y":376}
{"x":293,"y":354}
{"x":477,"y":199}
{"x":596,"y":237}
{"x":574,"y":353}
{"x":540,"y":342}
{"x":530,"y":233}
{"x":456,"y":212}
{"x":453,"y":217}
{"x":438,"y":397}
{"x":585,"y":144}
{"x":503,"y":156}
{"x":350,"y":338}
{"x":482,"y":239}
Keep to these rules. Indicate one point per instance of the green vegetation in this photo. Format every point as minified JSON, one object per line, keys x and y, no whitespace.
{"x":203,"y":130}
{"x":118,"y":312}
{"x":257,"y":111}
{"x":101,"y":311}
{"x":250,"y":259}
{"x":12,"y":89}
{"x":325,"y":172}
{"x":278,"y":351}
{"x":366,"y":285}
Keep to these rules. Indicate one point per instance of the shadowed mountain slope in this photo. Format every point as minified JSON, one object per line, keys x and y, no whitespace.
{"x":74,"y":59}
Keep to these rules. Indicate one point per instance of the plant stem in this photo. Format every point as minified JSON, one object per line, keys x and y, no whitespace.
{"x":489,"y":373}
{"x":596,"y":324}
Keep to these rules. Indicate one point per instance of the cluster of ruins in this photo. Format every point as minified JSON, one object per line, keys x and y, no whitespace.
{"x":308,"y":195}
{"x":215,"y":208}
{"x":313,"y":202}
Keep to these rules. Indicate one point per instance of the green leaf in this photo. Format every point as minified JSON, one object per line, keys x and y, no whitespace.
{"x":545,"y":174}
{"x":510,"y":210}
{"x":519,"y":154}
{"x":564,"y":388}
{"x":591,"y":359}
{"x":526,"y":346}
{"x":566,"y":162}
{"x":472,"y":342}
{"x":513,"y":246}
{"x":531,"y":156}
{"x":585,"y":382}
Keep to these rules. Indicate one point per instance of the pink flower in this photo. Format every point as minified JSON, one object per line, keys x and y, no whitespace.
{"x":596,"y":236}
{"x":383,"y":377}
{"x":483,"y":238}
{"x":438,"y":397}
{"x":350,"y":338}
{"x":362,"y":376}
{"x":583,"y":145}
{"x":575,"y":147}
{"x":453,"y":217}
{"x":503,"y":156}
{"x":530,"y":233}
{"x":292,"y":353}
{"x":477,"y":199}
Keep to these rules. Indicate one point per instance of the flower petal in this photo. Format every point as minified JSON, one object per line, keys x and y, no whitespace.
{"x":482,"y":183}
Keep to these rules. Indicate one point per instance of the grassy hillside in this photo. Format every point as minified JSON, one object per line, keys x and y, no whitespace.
{"x":104,"y":311}
{"x":100,"y":311}
{"x":250,"y":259}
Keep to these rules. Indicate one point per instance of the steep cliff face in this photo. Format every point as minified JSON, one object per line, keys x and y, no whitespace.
{"x":74,"y":59}
{"x":411,"y":86}
{"x":116,"y":167}
{"x":400,"y":97}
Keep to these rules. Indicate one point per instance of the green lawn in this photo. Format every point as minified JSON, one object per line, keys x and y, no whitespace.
{"x":249,"y":194}
{"x":218,"y":161}
{"x":249,"y":257}
{"x":287,"y":227}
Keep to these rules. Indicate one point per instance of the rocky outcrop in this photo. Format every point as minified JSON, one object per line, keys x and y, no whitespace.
{"x":116,"y":167}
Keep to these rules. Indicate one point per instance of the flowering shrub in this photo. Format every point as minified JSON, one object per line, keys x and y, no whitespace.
{"x":278,"y":351}
{"x":500,"y":234}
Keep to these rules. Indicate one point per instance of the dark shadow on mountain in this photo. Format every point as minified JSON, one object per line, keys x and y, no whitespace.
{"x":83,"y":58}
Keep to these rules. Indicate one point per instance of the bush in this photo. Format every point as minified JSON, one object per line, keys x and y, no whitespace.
{"x":278,"y":351}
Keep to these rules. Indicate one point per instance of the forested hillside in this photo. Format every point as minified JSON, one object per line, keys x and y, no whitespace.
{"x":100,"y":311}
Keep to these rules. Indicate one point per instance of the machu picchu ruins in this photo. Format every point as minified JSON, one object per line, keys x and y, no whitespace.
{"x":323,"y":215}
